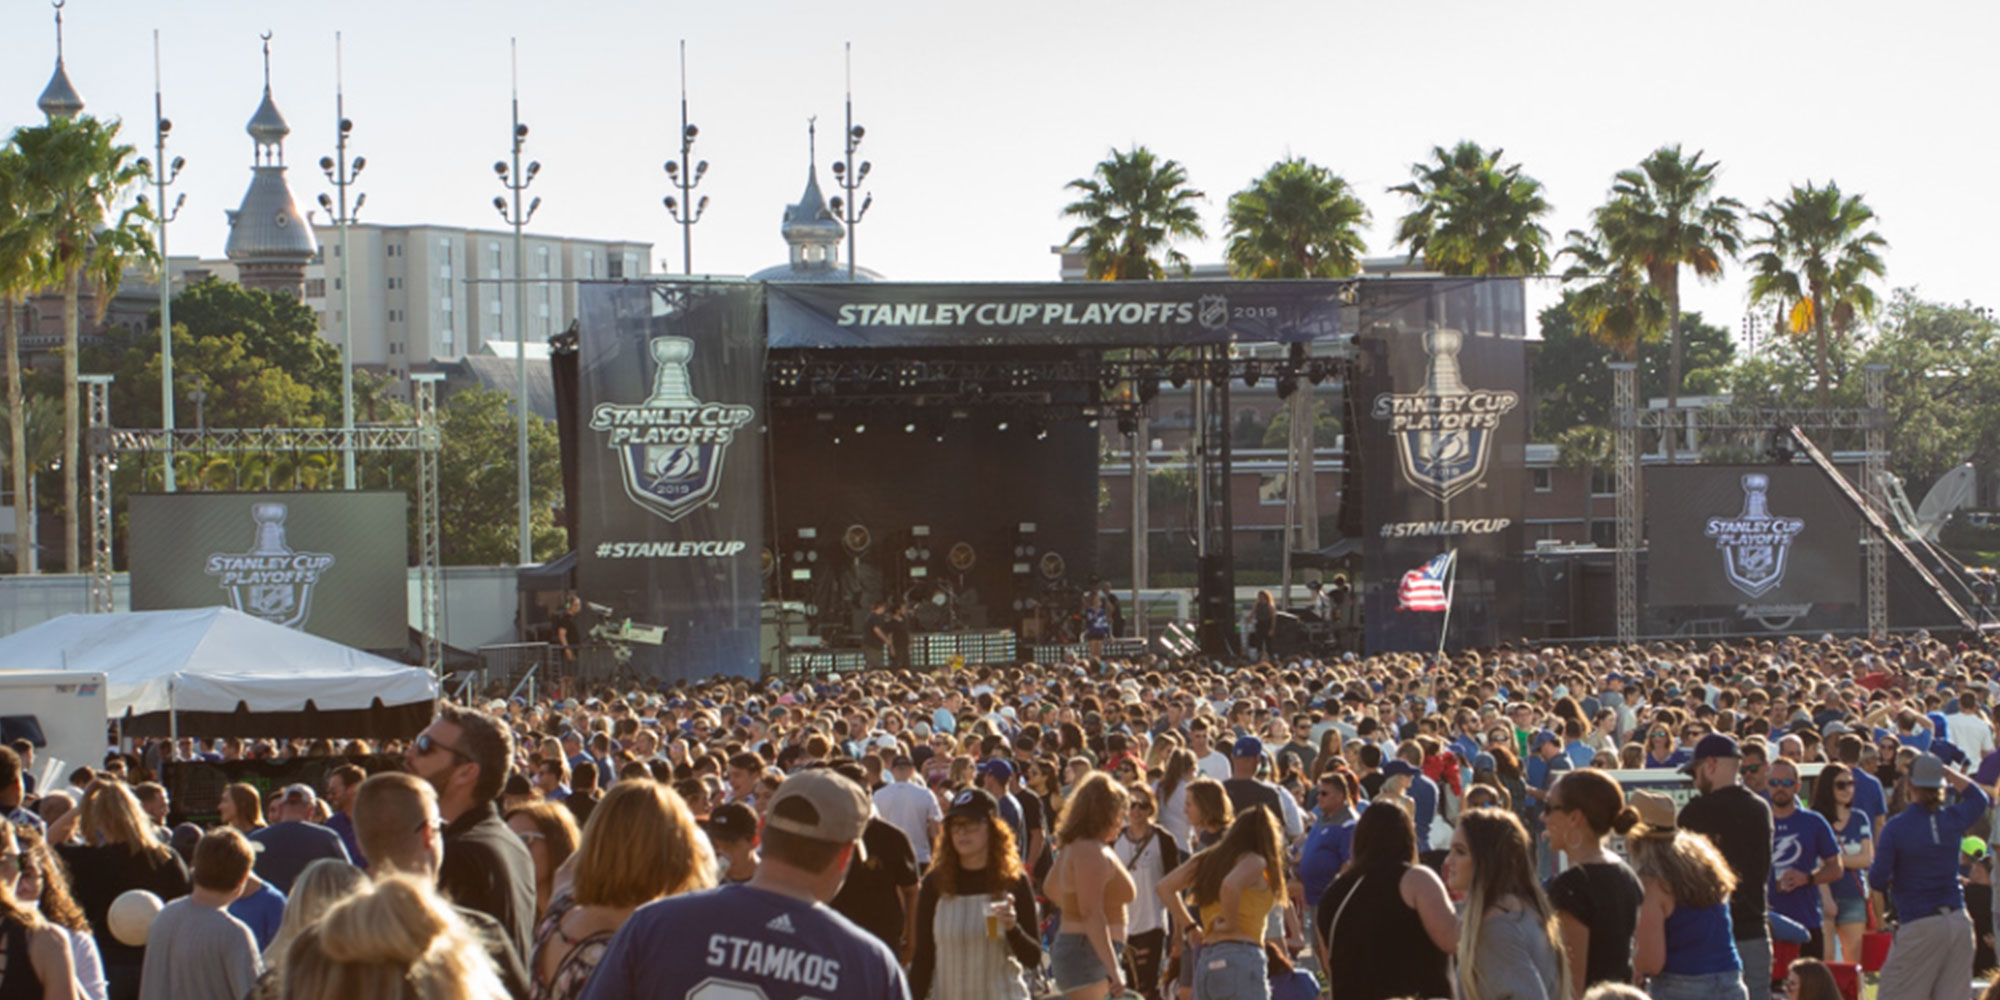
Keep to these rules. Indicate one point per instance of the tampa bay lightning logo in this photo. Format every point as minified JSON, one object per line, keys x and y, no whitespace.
{"x":1444,"y":433}
{"x":1754,"y":544}
{"x":671,"y":447}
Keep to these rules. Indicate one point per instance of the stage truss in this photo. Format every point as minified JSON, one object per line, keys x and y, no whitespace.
{"x":1629,"y":421}
{"x":424,"y":438}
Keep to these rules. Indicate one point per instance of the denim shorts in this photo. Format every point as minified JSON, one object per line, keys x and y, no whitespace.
{"x":1711,"y":986}
{"x":1073,"y":963}
{"x":1231,"y":970}
{"x":1850,"y":911}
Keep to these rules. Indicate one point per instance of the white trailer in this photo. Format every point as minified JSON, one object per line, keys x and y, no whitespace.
{"x":62,"y":713}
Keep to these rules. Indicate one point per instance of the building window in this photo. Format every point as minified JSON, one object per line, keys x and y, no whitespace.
{"x":496,"y":304}
{"x":1603,"y":483}
{"x":444,"y":305}
{"x":1542,"y":483}
{"x":336,"y":284}
{"x":395,"y":250}
{"x":542,"y":258}
{"x":336,"y":249}
{"x":632,"y":268}
{"x":394,"y":284}
{"x":590,"y":263}
{"x":1271,"y":489}
{"x":1604,"y":534}
{"x":315,"y":288}
{"x":617,"y":267}
{"x":394,"y":348}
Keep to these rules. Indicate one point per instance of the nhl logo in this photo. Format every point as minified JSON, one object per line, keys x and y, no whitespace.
{"x":271,"y":581}
{"x":1754,"y":543}
{"x":1212,"y":311}
{"x":1444,"y":433}
{"x":671,"y":447}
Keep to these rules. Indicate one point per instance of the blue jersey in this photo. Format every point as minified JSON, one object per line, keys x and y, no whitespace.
{"x":739,"y":941}
{"x":1799,"y":842}
{"x":1854,"y":835}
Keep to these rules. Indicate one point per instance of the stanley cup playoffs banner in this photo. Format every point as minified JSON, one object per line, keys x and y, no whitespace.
{"x":1441,"y":393}
{"x":671,"y":456}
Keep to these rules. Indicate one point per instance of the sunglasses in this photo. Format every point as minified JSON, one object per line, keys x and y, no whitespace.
{"x":1843,"y":784}
{"x":1783,"y":782}
{"x":425,"y":744}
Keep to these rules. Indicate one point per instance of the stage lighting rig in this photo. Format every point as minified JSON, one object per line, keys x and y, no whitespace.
{"x":1128,"y":422}
{"x":1288,"y":383}
{"x":1149,"y":386}
{"x":1252,"y":373}
{"x":1178,"y":376}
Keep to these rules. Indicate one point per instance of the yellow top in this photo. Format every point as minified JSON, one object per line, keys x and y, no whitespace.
{"x":1252,"y":910}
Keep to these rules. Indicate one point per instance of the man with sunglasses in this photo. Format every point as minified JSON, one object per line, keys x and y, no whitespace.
{"x":464,"y":755}
{"x":1805,"y":854}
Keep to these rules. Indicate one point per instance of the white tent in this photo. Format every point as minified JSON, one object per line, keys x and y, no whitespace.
{"x":195,"y":666}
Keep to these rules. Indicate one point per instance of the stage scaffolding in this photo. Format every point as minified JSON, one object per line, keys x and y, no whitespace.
{"x":107,"y":443}
{"x":1629,"y":422}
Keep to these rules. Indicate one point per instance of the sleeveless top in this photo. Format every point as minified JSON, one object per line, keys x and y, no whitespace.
{"x":18,"y":980}
{"x":1253,"y":910}
{"x":1701,"y":942}
{"x":1376,"y":945}
{"x":579,"y":957}
{"x":971,"y":965}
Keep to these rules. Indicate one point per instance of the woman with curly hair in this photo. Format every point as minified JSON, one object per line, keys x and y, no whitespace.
{"x":1684,"y":943}
{"x":641,"y":844}
{"x":394,"y":938}
{"x":43,"y":889}
{"x":1234,"y":886}
{"x":976,"y":919}
{"x":1508,"y":945}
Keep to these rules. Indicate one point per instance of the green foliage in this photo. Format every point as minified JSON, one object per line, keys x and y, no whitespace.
{"x":1585,"y":447}
{"x":1943,"y":388}
{"x":1572,"y":378}
{"x":1474,"y":216}
{"x":1132,"y":208}
{"x":478,"y":481}
{"x":1814,"y":262}
{"x":1298,"y":220}
{"x":1326,"y":427}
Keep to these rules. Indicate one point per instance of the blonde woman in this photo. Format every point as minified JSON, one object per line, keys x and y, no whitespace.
{"x":1509,"y":945}
{"x":1687,"y":902}
{"x":115,"y":851}
{"x":641,"y":844}
{"x":395,"y":938}
{"x":323,"y":883}
{"x":549,"y":830}
{"x":1091,"y":889}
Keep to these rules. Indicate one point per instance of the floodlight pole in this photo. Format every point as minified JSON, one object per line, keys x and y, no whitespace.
{"x":684,"y":209}
{"x":342,"y":172}
{"x":163,"y":175}
{"x":847,"y":175}
{"x":515,"y":181}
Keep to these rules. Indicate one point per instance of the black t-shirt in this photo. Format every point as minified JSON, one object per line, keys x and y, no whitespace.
{"x":1605,"y":897}
{"x":1738,"y":821}
{"x":1371,"y":785}
{"x":870,"y":896}
{"x":1249,"y":793}
{"x":875,"y":622}
{"x":1033,"y":817}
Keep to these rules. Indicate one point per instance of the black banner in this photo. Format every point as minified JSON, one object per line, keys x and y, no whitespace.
{"x":1098,"y":314}
{"x":671,"y":507}
{"x":1441,"y":385}
{"x":1769,"y":540}
{"x":334,"y":564}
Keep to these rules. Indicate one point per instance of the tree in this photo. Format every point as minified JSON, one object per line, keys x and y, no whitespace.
{"x":85,"y":175}
{"x":23,"y":269}
{"x":34,"y":442}
{"x":1814,"y":261}
{"x":1664,"y":215}
{"x":478,"y":486}
{"x":1572,"y":379}
{"x":1298,"y":220}
{"x":1474,"y":216}
{"x":1617,"y":309}
{"x":1326,"y":427}
{"x":1943,"y":387}
{"x":1132,"y":207}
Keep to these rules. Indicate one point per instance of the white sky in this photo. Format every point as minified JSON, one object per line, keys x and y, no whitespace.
{"x":978,"y":114}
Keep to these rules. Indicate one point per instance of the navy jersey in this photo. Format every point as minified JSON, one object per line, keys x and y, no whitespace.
{"x":739,"y":942}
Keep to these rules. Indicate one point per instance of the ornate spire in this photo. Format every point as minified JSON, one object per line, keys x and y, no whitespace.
{"x":267,"y":127}
{"x":269,"y":239}
{"x":60,"y":99}
{"x":812,"y":231}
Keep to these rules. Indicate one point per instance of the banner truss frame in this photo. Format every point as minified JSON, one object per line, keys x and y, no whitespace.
{"x":1628,"y":420}
{"x":424,"y":437}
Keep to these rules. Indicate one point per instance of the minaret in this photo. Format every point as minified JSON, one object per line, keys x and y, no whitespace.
{"x":60,"y":99}
{"x":269,"y":240}
{"x":812,"y":232}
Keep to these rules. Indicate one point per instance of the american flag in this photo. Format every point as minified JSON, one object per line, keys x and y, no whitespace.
{"x":1423,"y":587}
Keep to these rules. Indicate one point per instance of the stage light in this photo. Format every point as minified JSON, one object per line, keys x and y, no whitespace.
{"x":1252,"y":372}
{"x":1177,"y":377}
{"x":1128,"y":423}
{"x":860,"y":428}
{"x":1149,"y":387}
{"x":1288,"y":383}
{"x":1001,"y":426}
{"x":836,"y":439}
{"x":1218,"y":376}
{"x":910,"y":428}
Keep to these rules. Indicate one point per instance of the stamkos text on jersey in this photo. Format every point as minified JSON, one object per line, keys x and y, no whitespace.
{"x":712,"y":423}
{"x":761,"y":958}
{"x":1481,"y":409}
{"x":1014,"y":313}
{"x":1435,"y":529}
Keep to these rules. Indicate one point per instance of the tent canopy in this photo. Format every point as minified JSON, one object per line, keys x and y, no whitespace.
{"x":214,"y":661}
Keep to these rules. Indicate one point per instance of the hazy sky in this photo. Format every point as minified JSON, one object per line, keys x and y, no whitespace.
{"x":978,"y":114}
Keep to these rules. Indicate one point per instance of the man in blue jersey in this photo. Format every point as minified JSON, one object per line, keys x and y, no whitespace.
{"x":1916,"y":861}
{"x":772,"y":937}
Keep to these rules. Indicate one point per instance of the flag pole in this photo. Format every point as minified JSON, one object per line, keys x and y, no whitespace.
{"x":1450,"y":590}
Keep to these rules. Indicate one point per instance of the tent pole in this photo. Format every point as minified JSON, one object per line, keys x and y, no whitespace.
{"x":173,"y":718}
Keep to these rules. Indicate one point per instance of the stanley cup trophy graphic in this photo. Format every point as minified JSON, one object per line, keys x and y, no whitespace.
{"x":270,"y":581}
{"x":1756,"y":506}
{"x":664,"y":465}
{"x":1438,"y":454}
{"x":1444,"y":432}
{"x":671,"y":446}
{"x":1754,"y":544}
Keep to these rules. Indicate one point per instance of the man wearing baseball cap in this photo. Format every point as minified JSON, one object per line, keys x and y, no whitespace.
{"x":1738,"y":821}
{"x":1244,"y":790}
{"x":293,"y":841}
{"x":1916,"y":860}
{"x":995,"y":775}
{"x":773,"y":936}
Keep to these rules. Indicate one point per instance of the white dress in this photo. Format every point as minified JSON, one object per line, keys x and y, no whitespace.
{"x":971,"y":965}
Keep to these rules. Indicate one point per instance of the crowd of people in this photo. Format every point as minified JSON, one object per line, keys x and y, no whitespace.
{"x":1370,"y":828}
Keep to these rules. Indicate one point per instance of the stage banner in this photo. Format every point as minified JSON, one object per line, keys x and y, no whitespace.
{"x":1441,"y":380}
{"x":1093,"y":314}
{"x":1768,"y":541}
{"x":335,"y":564}
{"x":671,"y":472}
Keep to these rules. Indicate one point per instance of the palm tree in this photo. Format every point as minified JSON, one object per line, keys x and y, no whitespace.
{"x":23,"y":257}
{"x":34,"y":437}
{"x":84,"y":175}
{"x":1663,"y":215}
{"x":1618,"y":309}
{"x":1132,"y":207}
{"x":1474,"y":216}
{"x":1815,"y":261}
{"x":1299,"y":220}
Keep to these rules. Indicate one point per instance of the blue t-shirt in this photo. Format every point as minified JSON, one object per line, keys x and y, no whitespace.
{"x":261,"y":911}
{"x":1799,"y":842}
{"x":1916,"y":859}
{"x":1868,"y":797}
{"x":1679,"y":758}
{"x":1424,"y":796}
{"x":290,"y":846}
{"x":739,"y":941}
{"x":1326,"y":849}
{"x":1853,"y":835}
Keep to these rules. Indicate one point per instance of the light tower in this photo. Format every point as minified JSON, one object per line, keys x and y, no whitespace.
{"x":342,"y":172}
{"x":163,"y":175}
{"x":846,"y":176}
{"x":515,"y":181}
{"x":684,"y":209}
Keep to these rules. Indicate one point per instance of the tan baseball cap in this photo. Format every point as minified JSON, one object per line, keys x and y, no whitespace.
{"x":820,"y":804}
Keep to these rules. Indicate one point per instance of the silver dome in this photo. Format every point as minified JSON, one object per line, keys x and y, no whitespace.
{"x":268,"y":225}
{"x":60,"y":99}
{"x":267,"y":126}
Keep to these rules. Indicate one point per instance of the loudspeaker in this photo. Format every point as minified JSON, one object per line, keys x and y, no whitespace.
{"x":1215,"y":606}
